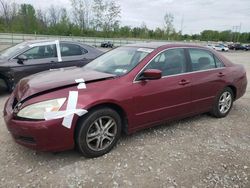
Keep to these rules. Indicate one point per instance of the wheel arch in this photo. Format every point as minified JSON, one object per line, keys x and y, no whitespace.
{"x":114,"y":106}
{"x":5,"y":79}
{"x":234,"y":89}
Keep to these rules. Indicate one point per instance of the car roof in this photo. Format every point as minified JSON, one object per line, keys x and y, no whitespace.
{"x":156,"y":45}
{"x":32,"y":42}
{"x":148,"y":44}
{"x":26,"y":45}
{"x":29,"y":42}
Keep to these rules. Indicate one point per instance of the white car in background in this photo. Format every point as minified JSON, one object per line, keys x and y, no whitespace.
{"x":221,"y":47}
{"x":210,"y":46}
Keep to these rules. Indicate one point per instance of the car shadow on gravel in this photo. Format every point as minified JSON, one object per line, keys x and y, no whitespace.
{"x":67,"y":157}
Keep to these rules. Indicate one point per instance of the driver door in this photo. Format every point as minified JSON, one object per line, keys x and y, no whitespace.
{"x":165,"y":98}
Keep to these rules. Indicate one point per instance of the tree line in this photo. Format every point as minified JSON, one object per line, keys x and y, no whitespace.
{"x":97,"y":18}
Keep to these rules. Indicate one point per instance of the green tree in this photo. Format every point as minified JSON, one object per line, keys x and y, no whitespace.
{"x":27,"y":19}
{"x":143,"y":30}
{"x":42,"y":22}
{"x":106,"y":16}
{"x":99,"y":10}
{"x":54,"y":15}
{"x":105,"y":22}
{"x":81,"y":13}
{"x":159,"y":33}
{"x":8,"y":12}
{"x":225,"y":35}
{"x":63,"y":27}
{"x":168,"y":23}
{"x":125,"y":31}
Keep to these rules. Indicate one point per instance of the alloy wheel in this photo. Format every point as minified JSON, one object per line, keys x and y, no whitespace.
{"x":225,"y":102}
{"x":101,"y":133}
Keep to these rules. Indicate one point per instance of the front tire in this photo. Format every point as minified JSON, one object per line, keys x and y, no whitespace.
{"x":98,"y":132}
{"x":223,"y":103}
{"x":5,"y":86}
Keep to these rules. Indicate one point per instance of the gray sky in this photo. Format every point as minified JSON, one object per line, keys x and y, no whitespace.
{"x":197,"y":15}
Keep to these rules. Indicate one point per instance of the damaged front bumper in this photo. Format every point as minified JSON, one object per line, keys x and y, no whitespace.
{"x":39,"y":135}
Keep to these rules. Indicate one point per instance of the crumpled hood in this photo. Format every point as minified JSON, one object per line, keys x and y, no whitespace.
{"x":53,"y":79}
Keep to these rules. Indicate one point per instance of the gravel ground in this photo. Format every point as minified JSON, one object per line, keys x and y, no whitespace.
{"x":200,"y":151}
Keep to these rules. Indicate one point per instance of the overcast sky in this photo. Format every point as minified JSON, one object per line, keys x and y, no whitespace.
{"x":196,"y":15}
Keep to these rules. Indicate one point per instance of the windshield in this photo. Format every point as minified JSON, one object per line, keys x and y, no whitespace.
{"x":119,"y":61}
{"x":12,"y":50}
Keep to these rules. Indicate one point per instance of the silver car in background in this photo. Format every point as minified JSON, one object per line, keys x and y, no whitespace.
{"x":32,"y":57}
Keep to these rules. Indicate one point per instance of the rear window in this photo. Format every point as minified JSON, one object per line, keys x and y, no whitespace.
{"x":71,"y":50}
{"x":201,"y":60}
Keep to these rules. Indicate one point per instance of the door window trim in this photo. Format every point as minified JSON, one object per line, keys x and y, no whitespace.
{"x":135,"y":80}
{"x":56,"y":42}
{"x":205,"y":50}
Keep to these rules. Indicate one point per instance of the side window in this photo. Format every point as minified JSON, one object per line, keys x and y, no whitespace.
{"x":219,"y":64}
{"x":41,"y":52}
{"x":170,"y":62}
{"x":201,"y":59}
{"x":71,"y":50}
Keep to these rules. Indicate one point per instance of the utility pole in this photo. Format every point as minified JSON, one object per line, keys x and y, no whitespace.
{"x":232,"y":36}
{"x":236,"y":33}
{"x":238,"y":38}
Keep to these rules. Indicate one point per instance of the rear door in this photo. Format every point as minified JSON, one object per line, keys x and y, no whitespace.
{"x":72,"y":55}
{"x":168,"y":97}
{"x":208,"y":77}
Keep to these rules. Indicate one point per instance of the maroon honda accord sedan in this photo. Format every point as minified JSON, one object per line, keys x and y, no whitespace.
{"x":125,"y":90}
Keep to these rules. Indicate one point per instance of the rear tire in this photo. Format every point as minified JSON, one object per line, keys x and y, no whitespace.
{"x":223,"y":103}
{"x":98,"y":132}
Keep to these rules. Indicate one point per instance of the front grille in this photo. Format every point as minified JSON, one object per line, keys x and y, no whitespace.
{"x":15,"y":101}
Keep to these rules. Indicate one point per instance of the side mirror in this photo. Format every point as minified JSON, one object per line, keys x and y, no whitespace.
{"x":151,"y":74}
{"x":21,"y":59}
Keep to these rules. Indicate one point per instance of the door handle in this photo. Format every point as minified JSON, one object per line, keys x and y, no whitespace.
{"x":184,"y":82}
{"x":221,"y":74}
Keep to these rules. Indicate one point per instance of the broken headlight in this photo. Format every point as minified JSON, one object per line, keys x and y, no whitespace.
{"x":36,"y":111}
